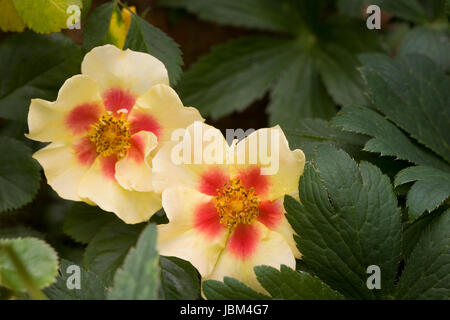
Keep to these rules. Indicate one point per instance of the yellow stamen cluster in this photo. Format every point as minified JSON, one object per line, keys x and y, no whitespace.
{"x":236,"y":204}
{"x":111,"y":135}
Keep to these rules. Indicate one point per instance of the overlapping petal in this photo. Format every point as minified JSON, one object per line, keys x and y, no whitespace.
{"x":181,"y":161}
{"x":269,"y":248}
{"x":120,"y":135}
{"x":62,"y":169}
{"x":193,"y":207}
{"x":99,"y":186}
{"x":192,"y":233}
{"x":102,"y":140}
{"x":127,"y":70}
{"x":60,"y":120}
{"x":132,"y":172}
{"x":163,"y":103}
{"x":266,"y":162}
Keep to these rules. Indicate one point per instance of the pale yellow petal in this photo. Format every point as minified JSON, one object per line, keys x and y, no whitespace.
{"x":62,"y":170}
{"x":285,"y":229}
{"x":180,"y":238}
{"x":269,"y":149}
{"x":182,"y":162}
{"x":272,"y":250}
{"x":135,"y":71}
{"x":47,"y":121}
{"x":163,"y":103}
{"x":132,"y":172}
{"x":130,"y":206}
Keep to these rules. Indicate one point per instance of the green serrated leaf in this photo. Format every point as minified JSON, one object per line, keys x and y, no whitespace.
{"x":83,"y":221}
{"x":97,"y":25}
{"x":387,"y":140}
{"x":338,"y":69}
{"x":39,"y":260}
{"x":37,"y":73}
{"x":179,"y":279}
{"x":144,"y":37}
{"x":412,"y":91}
{"x":309,"y":134}
{"x":351,"y":34}
{"x":299,"y":93}
{"x":429,"y":192}
{"x":258,"y":14}
{"x":138,"y":279}
{"x":230,"y":289}
{"x":19,"y":175}
{"x":427,"y":272}
{"x":44,"y":16}
{"x":429,"y":42}
{"x":106,"y":25}
{"x":348,"y":220}
{"x":90,"y":286}
{"x":288,"y":284}
{"x":108,"y":248}
{"x":235,"y":74}
{"x":414,"y":231}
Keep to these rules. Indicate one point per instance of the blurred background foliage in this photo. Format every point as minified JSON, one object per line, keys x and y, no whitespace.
{"x":243,"y":64}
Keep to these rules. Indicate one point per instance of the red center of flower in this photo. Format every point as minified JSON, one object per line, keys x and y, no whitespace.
{"x":236,"y":204}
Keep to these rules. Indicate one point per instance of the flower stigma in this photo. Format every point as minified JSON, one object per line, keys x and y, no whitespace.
{"x":236,"y":204}
{"x":111,"y":135}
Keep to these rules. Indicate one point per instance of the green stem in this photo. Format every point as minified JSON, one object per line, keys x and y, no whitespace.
{"x":33,"y":291}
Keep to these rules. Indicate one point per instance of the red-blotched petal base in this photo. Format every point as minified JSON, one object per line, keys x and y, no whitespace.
{"x":108,"y":166}
{"x":116,"y":99}
{"x":85,"y":151}
{"x":252,"y":177}
{"x":207,"y":220}
{"x":244,"y":240}
{"x":144,"y":122}
{"x":137,"y":149}
{"x":211,"y":180}
{"x":270,"y":213}
{"x":80,"y":118}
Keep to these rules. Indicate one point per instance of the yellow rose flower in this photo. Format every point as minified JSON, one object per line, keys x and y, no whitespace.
{"x":104,"y":127}
{"x":227,"y":217}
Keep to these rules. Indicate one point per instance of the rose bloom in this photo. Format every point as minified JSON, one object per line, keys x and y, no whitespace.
{"x":104,"y":127}
{"x":227,"y":217}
